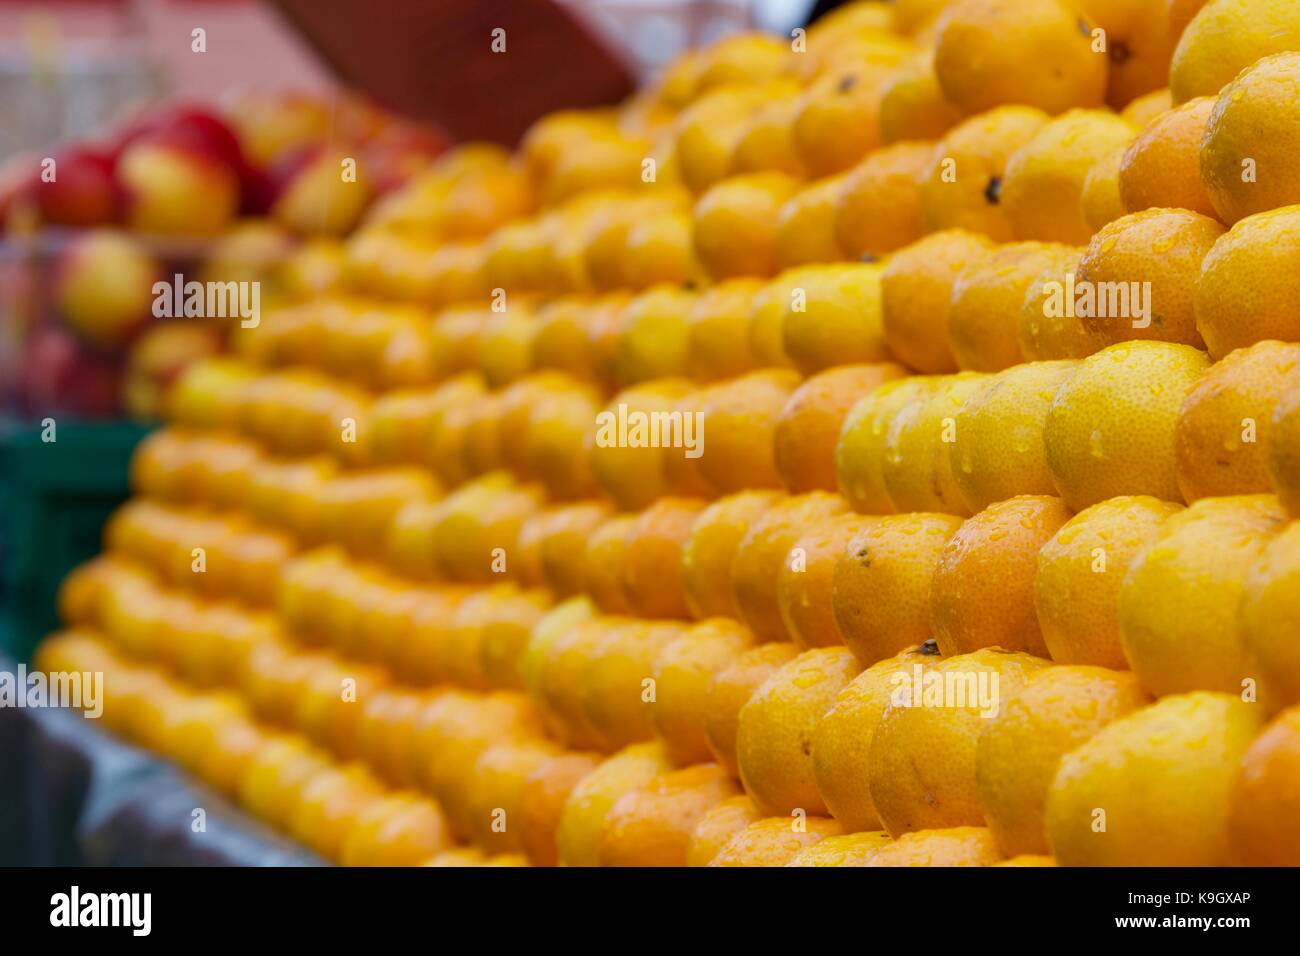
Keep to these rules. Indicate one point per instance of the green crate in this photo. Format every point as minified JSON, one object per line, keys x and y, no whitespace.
{"x":54,"y":498}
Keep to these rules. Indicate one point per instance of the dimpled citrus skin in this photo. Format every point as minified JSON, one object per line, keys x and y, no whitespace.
{"x":1138,"y":44}
{"x":922,"y":760}
{"x":1110,"y":430}
{"x":774,"y":841}
{"x":998,"y":448}
{"x":582,"y":822}
{"x":756,"y":567}
{"x":833,"y":316}
{"x":806,"y":225}
{"x":878,"y":207}
{"x":1163,"y":247}
{"x":651,"y":825}
{"x":731,"y":689}
{"x":1227,"y":36}
{"x":707,"y":556}
{"x":881,"y":587}
{"x":1056,"y":711}
{"x":1264,"y":826}
{"x":1100,"y":200}
{"x":1080,"y":570}
{"x":954,"y":846}
{"x":1163,"y":776}
{"x":1284,"y":451}
{"x":982,"y":594}
{"x":1044,"y":179}
{"x":838,"y":119}
{"x":851,"y":849}
{"x":808,"y":428}
{"x":1267,"y":618}
{"x":1161,"y":168}
{"x":984,"y":311}
{"x":1045,"y":336}
{"x":807,"y":577}
{"x":717,"y":826}
{"x":991,"y":52}
{"x":738,"y":427}
{"x":1257,"y":118}
{"x":1249,"y":283}
{"x":960,"y":189}
{"x":652,"y":578}
{"x":774,"y":737}
{"x":917,"y":466}
{"x":841,"y":741}
{"x":683,"y":671}
{"x":860,"y":450}
{"x":1178,"y":603}
{"x":1224,"y":434}
{"x":736,"y":224}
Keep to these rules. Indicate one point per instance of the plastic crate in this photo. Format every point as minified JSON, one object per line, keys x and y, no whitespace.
{"x":54,"y":498}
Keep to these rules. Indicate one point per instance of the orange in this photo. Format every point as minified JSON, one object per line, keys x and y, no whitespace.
{"x":328,"y":808}
{"x":984,"y":309}
{"x":838,"y":119}
{"x":710,"y":547}
{"x":990,"y":53}
{"x":841,"y":741}
{"x":997,"y":452}
{"x":582,"y":822}
{"x":922,"y":760}
{"x":808,"y":428}
{"x":807,"y":576}
{"x":1155,"y":787}
{"x":1262,"y":825}
{"x":1266,"y":617}
{"x":1049,"y":329}
{"x":916,"y":290}
{"x":1019,"y":751}
{"x":1148,"y":106}
{"x":738,"y":427}
{"x":806,"y":225}
{"x":561,"y":663}
{"x":851,"y":849}
{"x":1100,"y":200}
{"x":541,"y":802}
{"x":766,"y":140}
{"x":1247,"y":288}
{"x":616,"y":689}
{"x":1027,"y":859}
{"x":962,"y":187}
{"x":912,"y":105}
{"x":1223,"y":436}
{"x":880,"y":592}
{"x":494,"y":802}
{"x":559,"y":538}
{"x":746,"y":57}
{"x":982,"y":594}
{"x":1178,"y":605}
{"x":1080,"y":570}
{"x":729,"y":691}
{"x":660,"y":249}
{"x":652,"y":335}
{"x":774,"y":841}
{"x":1138,"y":45}
{"x":1226,"y":37}
{"x":717,"y":826}
{"x":652,"y":825}
{"x":718,"y":331}
{"x":401,"y":830}
{"x":268,"y":786}
{"x":761,"y":555}
{"x":860,"y":450}
{"x":1162,"y":167}
{"x":878,"y":205}
{"x":832,"y":316}
{"x":683,"y":672}
{"x":767,"y":317}
{"x":1151,"y":259}
{"x":1110,"y":430}
{"x":953,"y":846}
{"x":774,"y":735}
{"x":918,"y":466}
{"x":628,"y":467}
{"x":603,"y":559}
{"x":652,"y":558}
{"x":1250,"y":138}
{"x":1043,"y":188}
{"x":735,"y":224}
{"x":1284,"y":451}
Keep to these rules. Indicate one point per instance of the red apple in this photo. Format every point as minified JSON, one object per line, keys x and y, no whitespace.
{"x":82,"y":192}
{"x":311,"y":196}
{"x":61,"y":376}
{"x":103,"y":286}
{"x":271,"y":127}
{"x":171,"y":188}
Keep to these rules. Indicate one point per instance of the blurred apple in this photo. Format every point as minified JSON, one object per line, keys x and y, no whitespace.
{"x":273,"y":126}
{"x":158,"y":357}
{"x":82,"y":192}
{"x":103,"y":286}
{"x":252,"y":251}
{"x":312,"y":196}
{"x":61,"y":375}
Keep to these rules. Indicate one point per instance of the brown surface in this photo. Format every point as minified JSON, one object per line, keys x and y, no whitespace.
{"x":432,"y":59}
